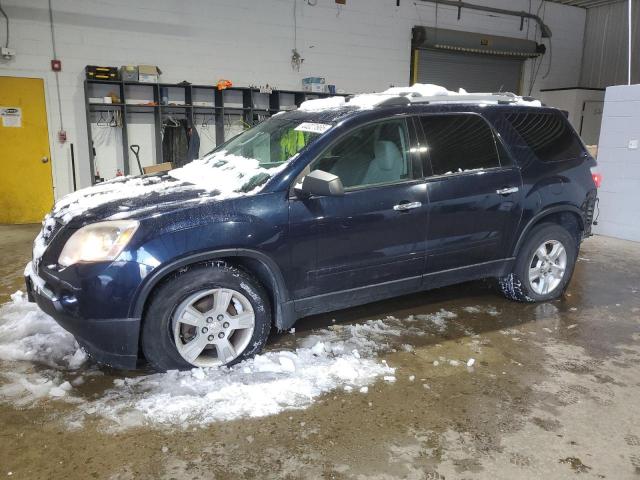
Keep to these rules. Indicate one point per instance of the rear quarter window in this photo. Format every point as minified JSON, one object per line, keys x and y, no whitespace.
{"x":548,"y":135}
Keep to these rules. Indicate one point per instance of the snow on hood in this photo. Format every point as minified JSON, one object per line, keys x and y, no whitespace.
{"x":370,"y":100}
{"x":217,"y":175}
{"x":120,"y":188}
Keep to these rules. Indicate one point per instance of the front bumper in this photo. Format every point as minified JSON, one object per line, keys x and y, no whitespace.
{"x":113,"y":342}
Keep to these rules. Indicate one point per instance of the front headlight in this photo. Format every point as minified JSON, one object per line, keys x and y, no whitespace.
{"x":98,"y":242}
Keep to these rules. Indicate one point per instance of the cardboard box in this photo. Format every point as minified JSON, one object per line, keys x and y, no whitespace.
{"x":314,"y":84}
{"x":314,"y":87}
{"x":313,"y":80}
{"x":159,"y":167}
{"x":129,"y":73}
{"x":148,"y":73}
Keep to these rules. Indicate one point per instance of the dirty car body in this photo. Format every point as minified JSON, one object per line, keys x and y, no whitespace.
{"x":315,"y":253}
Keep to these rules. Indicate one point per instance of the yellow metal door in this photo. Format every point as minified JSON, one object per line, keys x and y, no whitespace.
{"x":26,"y":187}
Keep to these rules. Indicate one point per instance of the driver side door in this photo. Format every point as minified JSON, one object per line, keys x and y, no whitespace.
{"x":369,"y":243}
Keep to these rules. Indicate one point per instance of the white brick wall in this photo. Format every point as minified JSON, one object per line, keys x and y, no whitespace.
{"x":362,"y":46}
{"x":619,"y":164}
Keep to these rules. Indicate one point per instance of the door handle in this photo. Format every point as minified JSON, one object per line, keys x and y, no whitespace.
{"x":403,"y":207}
{"x":507,"y":190}
{"x":44,"y":159}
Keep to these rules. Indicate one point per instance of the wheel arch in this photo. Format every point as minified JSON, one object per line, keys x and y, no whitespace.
{"x":262,"y":266}
{"x":568,"y":216}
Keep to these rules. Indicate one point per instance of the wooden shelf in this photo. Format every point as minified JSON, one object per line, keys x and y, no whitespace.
{"x":93,"y":104}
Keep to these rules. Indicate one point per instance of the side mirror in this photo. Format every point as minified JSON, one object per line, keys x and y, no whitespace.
{"x":320,"y":183}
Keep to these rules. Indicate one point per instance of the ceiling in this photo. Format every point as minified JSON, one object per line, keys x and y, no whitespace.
{"x":586,"y":3}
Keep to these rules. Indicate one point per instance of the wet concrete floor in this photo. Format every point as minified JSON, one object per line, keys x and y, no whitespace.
{"x":553,"y":394}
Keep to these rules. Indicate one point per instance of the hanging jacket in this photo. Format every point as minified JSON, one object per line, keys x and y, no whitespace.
{"x":193,"y":151}
{"x":180,"y":144}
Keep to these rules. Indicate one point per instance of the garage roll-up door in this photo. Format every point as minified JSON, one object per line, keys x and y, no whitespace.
{"x":474,"y":73}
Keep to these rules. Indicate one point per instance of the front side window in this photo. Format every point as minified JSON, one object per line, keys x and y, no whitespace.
{"x":548,"y":135}
{"x":459,"y":143}
{"x":371,"y":155}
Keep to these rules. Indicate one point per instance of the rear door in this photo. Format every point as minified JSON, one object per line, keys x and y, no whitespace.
{"x":474,"y":192}
{"x":375,"y":233}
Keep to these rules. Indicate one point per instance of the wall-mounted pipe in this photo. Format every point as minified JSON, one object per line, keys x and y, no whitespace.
{"x":544,"y":28}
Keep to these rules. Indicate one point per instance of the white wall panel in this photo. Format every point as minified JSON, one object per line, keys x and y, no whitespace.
{"x":619,"y":165}
{"x":363,"y":46}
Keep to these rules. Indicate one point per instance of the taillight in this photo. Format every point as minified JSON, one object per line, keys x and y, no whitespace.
{"x":597,"y":179}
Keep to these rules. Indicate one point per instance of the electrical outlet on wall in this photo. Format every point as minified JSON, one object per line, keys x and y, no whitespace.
{"x":633,"y":144}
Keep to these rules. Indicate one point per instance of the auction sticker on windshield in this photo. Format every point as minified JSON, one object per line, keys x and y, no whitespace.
{"x":313,"y":127}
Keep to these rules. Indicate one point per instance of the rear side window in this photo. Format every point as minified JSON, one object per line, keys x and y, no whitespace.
{"x":459,"y":143}
{"x":548,"y":135}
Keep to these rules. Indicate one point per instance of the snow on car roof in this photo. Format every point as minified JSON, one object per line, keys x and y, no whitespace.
{"x":416,"y":92}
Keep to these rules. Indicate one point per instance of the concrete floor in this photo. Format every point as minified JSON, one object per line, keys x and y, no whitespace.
{"x":553,"y":394}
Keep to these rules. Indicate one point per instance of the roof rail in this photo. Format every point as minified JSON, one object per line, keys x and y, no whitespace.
{"x":500,"y":98}
{"x":408,"y":97}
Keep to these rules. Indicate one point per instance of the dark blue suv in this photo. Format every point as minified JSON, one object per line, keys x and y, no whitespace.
{"x":322,"y":208}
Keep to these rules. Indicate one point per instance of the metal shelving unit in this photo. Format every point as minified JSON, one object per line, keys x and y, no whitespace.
{"x":249,"y":104}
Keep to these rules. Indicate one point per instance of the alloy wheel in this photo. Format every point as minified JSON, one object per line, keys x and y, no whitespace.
{"x":213,"y":327}
{"x":547,"y":267}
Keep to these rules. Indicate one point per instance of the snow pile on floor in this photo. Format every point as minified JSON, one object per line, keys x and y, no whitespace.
{"x":39,"y":361}
{"x":370,"y":100}
{"x":264,"y":385}
{"x":28,"y":334}
{"x":472,"y":309}
{"x":489,"y":310}
{"x":368,"y":338}
{"x":341,"y":357}
{"x":437,"y":319}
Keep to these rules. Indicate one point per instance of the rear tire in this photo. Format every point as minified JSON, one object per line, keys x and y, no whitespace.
{"x":205,"y":316}
{"x":543,"y":267}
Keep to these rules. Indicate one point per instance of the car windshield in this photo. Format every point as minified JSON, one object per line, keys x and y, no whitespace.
{"x":247,"y":161}
{"x":275,"y":140}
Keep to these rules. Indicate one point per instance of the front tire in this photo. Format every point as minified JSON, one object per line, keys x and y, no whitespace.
{"x":543,"y":267}
{"x":207,"y":315}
